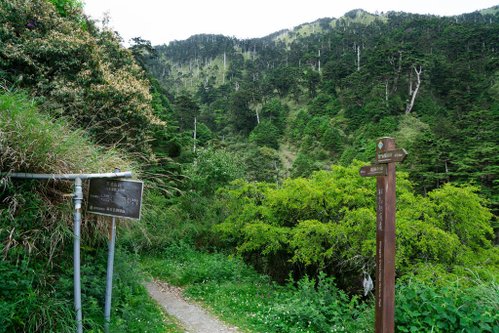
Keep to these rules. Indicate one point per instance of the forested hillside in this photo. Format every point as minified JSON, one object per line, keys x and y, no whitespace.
{"x":250,"y":151}
{"x":327,"y":89}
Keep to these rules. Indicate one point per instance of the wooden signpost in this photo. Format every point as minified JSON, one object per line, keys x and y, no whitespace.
{"x":384,"y":170}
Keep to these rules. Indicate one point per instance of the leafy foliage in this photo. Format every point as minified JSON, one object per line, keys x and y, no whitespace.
{"x":324,"y":223}
{"x":213,"y":169}
{"x":424,"y":308}
{"x":78,"y":73}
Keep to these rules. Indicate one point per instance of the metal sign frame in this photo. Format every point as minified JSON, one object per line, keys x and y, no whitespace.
{"x":77,"y":200}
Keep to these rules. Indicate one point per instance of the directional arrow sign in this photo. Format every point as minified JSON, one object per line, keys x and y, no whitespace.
{"x":373,"y":170}
{"x":390,"y":156}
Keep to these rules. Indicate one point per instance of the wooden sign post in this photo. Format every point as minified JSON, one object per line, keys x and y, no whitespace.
{"x":386,"y":157}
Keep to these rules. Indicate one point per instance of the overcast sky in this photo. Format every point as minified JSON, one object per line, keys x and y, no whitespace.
{"x":162,"y":21}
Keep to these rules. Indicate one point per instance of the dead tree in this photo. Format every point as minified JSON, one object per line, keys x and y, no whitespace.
{"x":414,"y":93}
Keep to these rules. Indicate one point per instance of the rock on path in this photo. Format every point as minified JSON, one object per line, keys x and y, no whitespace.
{"x":194,"y":318}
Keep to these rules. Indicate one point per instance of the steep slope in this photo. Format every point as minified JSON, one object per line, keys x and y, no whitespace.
{"x":430,"y":81}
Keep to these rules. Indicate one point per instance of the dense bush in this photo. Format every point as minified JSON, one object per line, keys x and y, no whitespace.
{"x":79,"y":73}
{"x":265,"y":134}
{"x":451,"y":308}
{"x":326,"y":223}
{"x":212,"y":169}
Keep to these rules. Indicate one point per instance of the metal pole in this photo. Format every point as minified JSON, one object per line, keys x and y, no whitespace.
{"x":55,"y":176}
{"x":109,"y":277}
{"x":78,"y":198}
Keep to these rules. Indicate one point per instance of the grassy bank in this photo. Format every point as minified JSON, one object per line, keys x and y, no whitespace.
{"x":244,"y":298}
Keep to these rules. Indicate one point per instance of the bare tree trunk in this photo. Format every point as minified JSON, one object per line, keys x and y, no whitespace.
{"x":358,"y":58}
{"x":319,"y":60}
{"x":410,"y":83}
{"x":195,"y":134}
{"x":418,"y":72}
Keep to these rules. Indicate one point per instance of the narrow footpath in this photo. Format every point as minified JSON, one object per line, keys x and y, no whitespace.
{"x":193,"y":318}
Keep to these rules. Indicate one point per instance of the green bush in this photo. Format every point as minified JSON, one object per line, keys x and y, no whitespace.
{"x":166,"y":222}
{"x":262,"y":164}
{"x":265,"y":134}
{"x":327,"y":223}
{"x":318,"y":306}
{"x":451,"y":308}
{"x":213,"y":169}
{"x":79,"y":73}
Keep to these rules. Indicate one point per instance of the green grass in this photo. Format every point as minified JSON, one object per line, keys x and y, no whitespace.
{"x":31,"y":141}
{"x":242,"y":297}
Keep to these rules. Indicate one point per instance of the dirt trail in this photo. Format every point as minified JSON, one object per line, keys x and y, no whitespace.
{"x":193,"y":318}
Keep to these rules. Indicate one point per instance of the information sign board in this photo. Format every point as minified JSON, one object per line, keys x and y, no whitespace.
{"x":118,"y":198}
{"x":397,"y":155}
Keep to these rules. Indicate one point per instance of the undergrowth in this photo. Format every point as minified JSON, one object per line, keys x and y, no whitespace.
{"x":244,"y":298}
{"x":241,"y":296}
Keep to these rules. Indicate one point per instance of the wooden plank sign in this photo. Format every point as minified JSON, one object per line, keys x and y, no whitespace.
{"x":118,"y":198}
{"x":373,"y":170}
{"x":397,"y":155}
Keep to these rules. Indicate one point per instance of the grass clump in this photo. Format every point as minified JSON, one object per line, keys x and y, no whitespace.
{"x":33,"y":142}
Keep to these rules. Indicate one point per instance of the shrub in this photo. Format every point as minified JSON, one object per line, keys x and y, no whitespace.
{"x":450,"y":308}
{"x":327,"y":222}
{"x":265,"y":134}
{"x":212,"y":169}
{"x":82,"y":74}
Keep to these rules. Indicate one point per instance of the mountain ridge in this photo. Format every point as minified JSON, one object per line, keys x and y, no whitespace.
{"x":352,"y":14}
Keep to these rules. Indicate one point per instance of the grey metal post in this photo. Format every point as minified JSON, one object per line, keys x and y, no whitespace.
{"x":78,"y":198}
{"x":109,"y":277}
